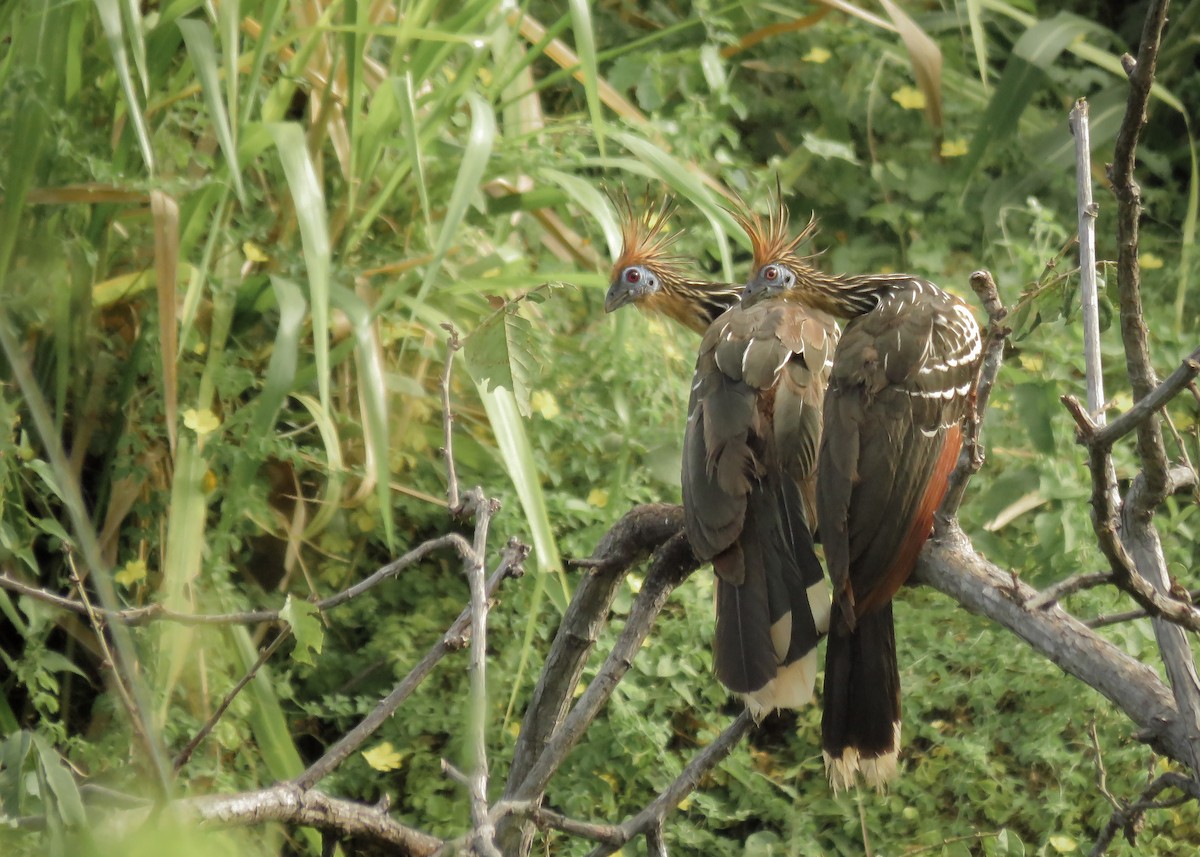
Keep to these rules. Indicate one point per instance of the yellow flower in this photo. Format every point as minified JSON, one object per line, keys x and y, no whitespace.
{"x":384,"y":757}
{"x":131,"y":572}
{"x":545,"y":404}
{"x":817,"y":55}
{"x":955,"y":148}
{"x":598,"y":497}
{"x":201,"y":422}
{"x":909,"y":97}
{"x":254,"y":253}
{"x":1150,"y":262}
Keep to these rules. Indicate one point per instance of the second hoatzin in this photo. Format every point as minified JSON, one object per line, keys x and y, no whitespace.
{"x":649,"y":275}
{"x":902,"y":383}
{"x":750,"y":450}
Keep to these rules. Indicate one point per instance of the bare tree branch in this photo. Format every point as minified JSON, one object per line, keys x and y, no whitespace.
{"x":1126,"y":575}
{"x":1128,"y":817}
{"x":1087,"y":211}
{"x":455,"y":638}
{"x":672,"y":564}
{"x":651,"y":818}
{"x":1175,"y":383}
{"x":1129,"y":211}
{"x":143,"y":615}
{"x":186,"y":753}
{"x":477,"y":779}
{"x":629,"y":541}
{"x":950,"y":564}
{"x":1075,"y":583}
{"x":290,"y":804}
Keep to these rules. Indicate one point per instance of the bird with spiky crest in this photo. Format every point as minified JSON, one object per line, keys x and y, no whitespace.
{"x":750,"y":450}
{"x":651,"y":276}
{"x":901,"y":384}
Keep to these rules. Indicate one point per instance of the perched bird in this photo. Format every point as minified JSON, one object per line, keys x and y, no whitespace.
{"x":903,"y":381}
{"x":649,"y":275}
{"x":750,"y":449}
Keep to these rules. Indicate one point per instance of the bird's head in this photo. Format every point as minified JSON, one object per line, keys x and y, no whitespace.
{"x":646,"y":266}
{"x":778,"y":267}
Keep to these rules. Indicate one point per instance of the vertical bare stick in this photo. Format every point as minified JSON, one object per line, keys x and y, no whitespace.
{"x":477,"y":777}
{"x":453,"y":344}
{"x":1088,"y":209}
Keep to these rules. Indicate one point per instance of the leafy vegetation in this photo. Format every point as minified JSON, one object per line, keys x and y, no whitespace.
{"x":230,"y":234}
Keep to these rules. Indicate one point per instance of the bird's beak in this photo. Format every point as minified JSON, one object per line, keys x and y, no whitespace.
{"x":617,"y":297}
{"x":752,"y":291}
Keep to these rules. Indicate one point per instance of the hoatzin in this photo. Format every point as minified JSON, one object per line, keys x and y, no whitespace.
{"x":650,"y":276}
{"x":750,"y":450}
{"x":902,"y":383}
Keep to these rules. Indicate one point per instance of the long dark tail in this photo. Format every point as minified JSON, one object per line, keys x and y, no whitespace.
{"x":772,"y":604}
{"x":860,"y":726}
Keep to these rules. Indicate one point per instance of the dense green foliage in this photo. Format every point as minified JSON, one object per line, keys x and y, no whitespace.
{"x":272,"y":424}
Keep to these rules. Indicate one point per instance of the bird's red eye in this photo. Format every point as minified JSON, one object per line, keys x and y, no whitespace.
{"x":770,"y":273}
{"x":632,"y":275}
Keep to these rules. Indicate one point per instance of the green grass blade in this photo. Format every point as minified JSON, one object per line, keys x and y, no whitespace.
{"x":137,"y":42}
{"x":585,"y":47}
{"x":517,"y":454}
{"x":408,"y":109}
{"x":309,"y":203}
{"x":185,"y":546}
{"x":203,"y":53}
{"x":110,"y":20}
{"x":272,"y":13}
{"x":592,"y":201}
{"x":372,"y":385}
{"x":688,"y":184}
{"x":470,"y":176}
{"x":330,"y":500}
{"x":1037,"y":49}
{"x":229,"y":16}
{"x":285,"y":355}
{"x":1188,"y":236}
{"x":978,"y":41}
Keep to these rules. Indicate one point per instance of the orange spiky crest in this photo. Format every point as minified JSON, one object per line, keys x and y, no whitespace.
{"x":770,"y":239}
{"x":645,"y":239}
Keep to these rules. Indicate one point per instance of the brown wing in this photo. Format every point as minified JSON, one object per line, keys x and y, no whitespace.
{"x":901,"y":385}
{"x":753,"y":430}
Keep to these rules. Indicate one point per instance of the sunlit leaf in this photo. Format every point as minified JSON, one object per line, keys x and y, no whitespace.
{"x":500,"y":354}
{"x":305,"y":622}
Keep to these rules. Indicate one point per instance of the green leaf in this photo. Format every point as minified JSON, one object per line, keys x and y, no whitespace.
{"x":1033,"y":54}
{"x":281,"y":371}
{"x":500,"y":354}
{"x":470,"y":176}
{"x":585,"y":47}
{"x":309,"y":202}
{"x":66,"y":794}
{"x":305,"y":622}
{"x":202,"y":50}
{"x":373,"y":386}
{"x":110,"y":20}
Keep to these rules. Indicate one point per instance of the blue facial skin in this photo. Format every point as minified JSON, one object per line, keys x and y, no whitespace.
{"x":631,"y":284}
{"x":769,"y":280}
